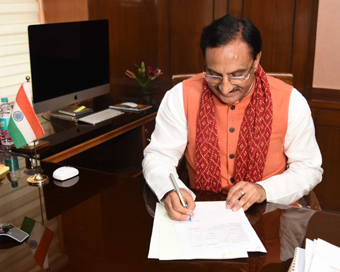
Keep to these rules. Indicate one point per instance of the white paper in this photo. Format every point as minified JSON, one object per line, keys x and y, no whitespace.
{"x":308,"y":254}
{"x":154,"y":245}
{"x":325,"y":257}
{"x":213,"y":233}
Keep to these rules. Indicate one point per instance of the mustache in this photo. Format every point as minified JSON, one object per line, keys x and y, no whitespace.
{"x":236,"y":88}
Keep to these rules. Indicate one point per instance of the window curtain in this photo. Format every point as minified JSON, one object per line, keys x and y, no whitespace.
{"x":15,"y":17}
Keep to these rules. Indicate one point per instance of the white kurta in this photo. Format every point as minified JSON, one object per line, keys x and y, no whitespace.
{"x":170,"y":137}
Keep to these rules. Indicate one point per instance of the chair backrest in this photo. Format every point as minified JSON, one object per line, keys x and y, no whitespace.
{"x":285,"y":77}
{"x":180,"y":77}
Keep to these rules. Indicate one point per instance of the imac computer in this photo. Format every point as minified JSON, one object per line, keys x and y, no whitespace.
{"x":69,"y":63}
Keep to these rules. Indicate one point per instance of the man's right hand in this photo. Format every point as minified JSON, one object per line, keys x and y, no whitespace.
{"x":174,"y":207}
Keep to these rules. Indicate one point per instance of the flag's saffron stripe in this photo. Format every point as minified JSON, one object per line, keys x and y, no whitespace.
{"x":17,"y":138}
{"x":44,"y":244}
{"x":26,"y":108}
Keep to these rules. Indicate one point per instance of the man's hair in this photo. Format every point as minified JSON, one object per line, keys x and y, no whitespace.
{"x":228,"y":29}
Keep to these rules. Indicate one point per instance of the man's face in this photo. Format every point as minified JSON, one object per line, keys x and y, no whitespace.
{"x":231,"y":60}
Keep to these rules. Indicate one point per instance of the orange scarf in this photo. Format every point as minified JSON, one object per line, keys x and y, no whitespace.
{"x":253,"y":141}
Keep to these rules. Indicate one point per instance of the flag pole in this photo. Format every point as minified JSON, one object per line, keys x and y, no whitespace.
{"x":38,"y":179}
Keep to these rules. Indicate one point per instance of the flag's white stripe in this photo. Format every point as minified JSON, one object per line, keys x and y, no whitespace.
{"x":36,"y":234}
{"x":27,"y":88}
{"x":24,"y":126}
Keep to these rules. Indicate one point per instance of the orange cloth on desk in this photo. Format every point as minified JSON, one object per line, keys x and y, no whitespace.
{"x":227,"y":118}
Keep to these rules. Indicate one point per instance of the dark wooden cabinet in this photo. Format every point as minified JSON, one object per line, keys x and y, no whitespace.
{"x":327,"y":128}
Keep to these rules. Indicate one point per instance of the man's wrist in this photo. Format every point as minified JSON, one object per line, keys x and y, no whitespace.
{"x":166,"y":194}
{"x":262,"y":193}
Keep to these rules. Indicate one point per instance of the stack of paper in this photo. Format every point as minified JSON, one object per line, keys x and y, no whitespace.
{"x":213,"y":233}
{"x":319,"y":255}
{"x":129,"y":106}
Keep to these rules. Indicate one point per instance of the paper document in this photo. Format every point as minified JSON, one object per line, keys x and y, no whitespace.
{"x":325,"y":257}
{"x":213,"y":233}
{"x":319,"y":255}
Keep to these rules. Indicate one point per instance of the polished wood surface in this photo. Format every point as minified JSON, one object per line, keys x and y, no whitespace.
{"x":125,"y":134}
{"x":98,"y":140}
{"x":112,"y":228}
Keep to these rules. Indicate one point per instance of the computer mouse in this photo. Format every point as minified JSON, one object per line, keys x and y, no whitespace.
{"x":65,"y":173}
{"x":129,"y":104}
{"x":66,"y":183}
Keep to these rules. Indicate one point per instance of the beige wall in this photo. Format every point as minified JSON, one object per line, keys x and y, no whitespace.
{"x":327,"y":54}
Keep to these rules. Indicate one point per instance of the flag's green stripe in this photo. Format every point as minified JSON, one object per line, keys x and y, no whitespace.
{"x":28,"y":225}
{"x":16,"y":134}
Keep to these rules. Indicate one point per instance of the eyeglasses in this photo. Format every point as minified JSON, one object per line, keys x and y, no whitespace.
{"x":212,"y":79}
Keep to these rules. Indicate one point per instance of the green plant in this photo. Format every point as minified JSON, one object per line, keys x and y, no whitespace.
{"x":144,"y":76}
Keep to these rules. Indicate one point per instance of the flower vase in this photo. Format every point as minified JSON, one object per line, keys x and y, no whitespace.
{"x":146,"y":89}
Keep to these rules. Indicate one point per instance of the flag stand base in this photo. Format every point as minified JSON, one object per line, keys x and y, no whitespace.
{"x":40,"y":144}
{"x":38,"y":180}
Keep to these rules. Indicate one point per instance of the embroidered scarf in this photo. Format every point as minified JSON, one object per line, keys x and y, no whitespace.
{"x":253,"y":141}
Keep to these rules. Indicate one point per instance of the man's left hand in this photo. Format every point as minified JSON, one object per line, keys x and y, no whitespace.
{"x":247,"y":193}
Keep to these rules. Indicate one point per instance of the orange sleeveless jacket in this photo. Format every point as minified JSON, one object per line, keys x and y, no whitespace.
{"x":229,"y":119}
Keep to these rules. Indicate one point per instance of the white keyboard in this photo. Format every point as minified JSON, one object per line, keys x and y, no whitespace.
{"x":100,"y":116}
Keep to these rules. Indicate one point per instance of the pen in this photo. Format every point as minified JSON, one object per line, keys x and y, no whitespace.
{"x":174,"y":182}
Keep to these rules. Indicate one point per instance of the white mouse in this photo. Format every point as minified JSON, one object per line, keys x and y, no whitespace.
{"x":65,"y":172}
{"x":66,"y":183}
{"x":129,"y":104}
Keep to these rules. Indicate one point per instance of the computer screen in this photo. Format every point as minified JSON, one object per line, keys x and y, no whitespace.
{"x":69,"y":63}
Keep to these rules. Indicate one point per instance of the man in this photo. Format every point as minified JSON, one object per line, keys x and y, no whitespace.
{"x":243,"y":133}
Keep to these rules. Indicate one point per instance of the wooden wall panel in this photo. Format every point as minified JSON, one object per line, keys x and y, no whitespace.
{"x":166,"y":33}
{"x":93,"y":10}
{"x":163,"y":38}
{"x":301,"y":41}
{"x":133,"y":38}
{"x":187,"y":19}
{"x":220,"y":8}
{"x":311,"y":46}
{"x":329,"y":188}
{"x":275,"y":20}
{"x":235,"y":7}
{"x":65,"y":10}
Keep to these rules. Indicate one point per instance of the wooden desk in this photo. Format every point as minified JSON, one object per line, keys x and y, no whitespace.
{"x":114,"y":146}
{"x":111,"y":230}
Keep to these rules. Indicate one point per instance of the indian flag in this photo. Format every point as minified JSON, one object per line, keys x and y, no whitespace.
{"x":39,"y":240}
{"x":24,"y":126}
